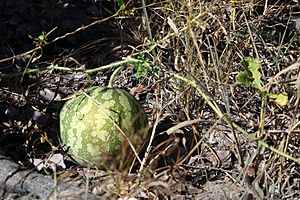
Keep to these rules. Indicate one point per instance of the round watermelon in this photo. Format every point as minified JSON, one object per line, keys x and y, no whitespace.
{"x":93,"y":125}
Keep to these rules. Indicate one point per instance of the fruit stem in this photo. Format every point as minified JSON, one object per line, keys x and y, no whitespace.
{"x":113,"y":76}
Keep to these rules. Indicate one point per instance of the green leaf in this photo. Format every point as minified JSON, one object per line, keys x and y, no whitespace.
{"x":244,"y":78}
{"x":281,"y":99}
{"x":251,"y":76}
{"x":144,"y":68}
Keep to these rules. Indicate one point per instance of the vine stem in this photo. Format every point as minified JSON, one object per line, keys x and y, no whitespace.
{"x":56,"y":67}
{"x":113,"y":76}
{"x":115,"y":73}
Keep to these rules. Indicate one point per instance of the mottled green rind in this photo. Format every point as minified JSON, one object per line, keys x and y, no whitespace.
{"x":89,"y":124}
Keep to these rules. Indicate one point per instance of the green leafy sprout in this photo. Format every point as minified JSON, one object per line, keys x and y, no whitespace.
{"x":251,"y":77}
{"x":42,"y":39}
{"x":144,"y":68}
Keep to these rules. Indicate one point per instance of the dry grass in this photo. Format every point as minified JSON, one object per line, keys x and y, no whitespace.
{"x":207,"y":41}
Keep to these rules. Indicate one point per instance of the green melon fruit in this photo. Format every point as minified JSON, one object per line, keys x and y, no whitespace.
{"x":93,"y":124}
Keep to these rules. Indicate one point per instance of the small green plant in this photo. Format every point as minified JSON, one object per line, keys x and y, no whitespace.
{"x":251,"y":77}
{"x":42,"y":39}
{"x":144,"y":68}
